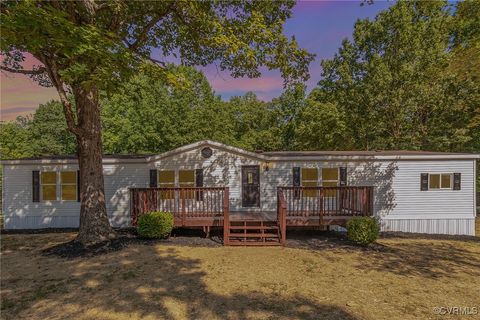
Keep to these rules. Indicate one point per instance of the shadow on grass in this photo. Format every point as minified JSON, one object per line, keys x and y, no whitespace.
{"x":440,"y":256}
{"x":151,"y":281}
{"x":437,"y":260}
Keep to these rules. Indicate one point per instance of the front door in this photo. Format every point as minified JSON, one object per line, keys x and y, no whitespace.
{"x":251,"y":186}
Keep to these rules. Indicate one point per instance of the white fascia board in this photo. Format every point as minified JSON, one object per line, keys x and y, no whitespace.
{"x":66,"y":161}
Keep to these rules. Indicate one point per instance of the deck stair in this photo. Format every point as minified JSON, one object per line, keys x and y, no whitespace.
{"x":253,"y":233}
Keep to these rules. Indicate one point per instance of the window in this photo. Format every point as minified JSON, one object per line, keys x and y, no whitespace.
{"x":166,"y":179}
{"x":68,"y":181}
{"x":330,"y":179}
{"x":309,"y":179}
{"x":48,"y":181}
{"x":186,"y":179}
{"x":440,"y":181}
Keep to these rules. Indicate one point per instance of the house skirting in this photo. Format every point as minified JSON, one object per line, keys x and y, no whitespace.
{"x":431,"y":226}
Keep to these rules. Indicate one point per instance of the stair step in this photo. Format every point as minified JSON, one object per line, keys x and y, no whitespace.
{"x":254,"y":227}
{"x":251,"y":220}
{"x":253,"y":235}
{"x":255,"y":243}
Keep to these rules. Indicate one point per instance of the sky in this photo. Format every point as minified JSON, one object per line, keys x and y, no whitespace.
{"x":318,"y":26}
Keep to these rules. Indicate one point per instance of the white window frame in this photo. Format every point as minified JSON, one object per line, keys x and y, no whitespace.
{"x":68,"y":184}
{"x":440,"y":174}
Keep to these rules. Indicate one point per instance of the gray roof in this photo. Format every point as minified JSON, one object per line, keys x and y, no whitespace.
{"x":264,"y":156}
{"x":357,"y":153}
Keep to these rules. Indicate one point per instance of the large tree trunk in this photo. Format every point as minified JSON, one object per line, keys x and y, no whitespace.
{"x":94,"y":224}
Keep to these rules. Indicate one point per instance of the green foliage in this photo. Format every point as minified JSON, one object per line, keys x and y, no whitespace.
{"x":155,"y":224}
{"x":320,"y":126}
{"x":254,"y":123}
{"x":15,"y":140}
{"x":363,"y":230}
{"x":393,"y":85}
{"x":148,"y":116}
{"x":99,"y":43}
{"x":44,"y":133}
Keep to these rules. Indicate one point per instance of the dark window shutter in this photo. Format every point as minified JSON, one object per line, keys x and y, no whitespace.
{"x":36,"y":186}
{"x":424,"y":181}
{"x":78,"y":186}
{"x":457,"y":181}
{"x":296,"y":176}
{"x":198,"y":184}
{"x":153,"y":178}
{"x":343,"y":176}
{"x":296,"y":181}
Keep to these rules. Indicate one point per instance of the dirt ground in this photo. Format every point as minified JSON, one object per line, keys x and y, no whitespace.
{"x":314,"y":277}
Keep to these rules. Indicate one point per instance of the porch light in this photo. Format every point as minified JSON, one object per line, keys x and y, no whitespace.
{"x":266,"y":166}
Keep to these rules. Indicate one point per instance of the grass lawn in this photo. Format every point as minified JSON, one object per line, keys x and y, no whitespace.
{"x":404,"y":280}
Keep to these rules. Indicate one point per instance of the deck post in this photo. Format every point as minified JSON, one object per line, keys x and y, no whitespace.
{"x":322,"y":207}
{"x":226,"y":217}
{"x":365,"y":201}
{"x":182,"y":197}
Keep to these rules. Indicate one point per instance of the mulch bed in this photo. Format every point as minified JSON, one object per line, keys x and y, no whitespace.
{"x":126,"y":237}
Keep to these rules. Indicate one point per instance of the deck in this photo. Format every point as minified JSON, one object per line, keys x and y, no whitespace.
{"x":208,"y":207}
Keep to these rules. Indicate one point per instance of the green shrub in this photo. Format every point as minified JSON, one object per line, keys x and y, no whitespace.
{"x":155,"y":224}
{"x":363,"y":230}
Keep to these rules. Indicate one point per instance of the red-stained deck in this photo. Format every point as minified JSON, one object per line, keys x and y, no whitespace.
{"x":296,"y":206}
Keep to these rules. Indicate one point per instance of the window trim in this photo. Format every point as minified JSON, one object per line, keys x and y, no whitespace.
{"x":69,"y":184}
{"x":440,"y":182}
{"x":48,"y":184}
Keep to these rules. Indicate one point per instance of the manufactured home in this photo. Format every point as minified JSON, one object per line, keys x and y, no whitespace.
{"x":209,"y":184}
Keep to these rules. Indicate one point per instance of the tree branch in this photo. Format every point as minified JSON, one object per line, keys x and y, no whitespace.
{"x":142,"y":37}
{"x":40,"y":70}
{"x":67,"y":106}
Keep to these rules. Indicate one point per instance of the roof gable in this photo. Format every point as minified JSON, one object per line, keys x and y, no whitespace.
{"x":207,"y":143}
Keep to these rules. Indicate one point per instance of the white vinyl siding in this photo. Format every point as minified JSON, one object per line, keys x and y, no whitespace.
{"x":398,"y":201}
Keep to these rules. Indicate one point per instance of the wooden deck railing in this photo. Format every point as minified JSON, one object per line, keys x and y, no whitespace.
{"x":282,"y":215}
{"x":320,"y":202}
{"x":186,"y":204}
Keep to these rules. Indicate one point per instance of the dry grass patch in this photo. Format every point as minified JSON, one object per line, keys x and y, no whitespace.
{"x":166,"y":281}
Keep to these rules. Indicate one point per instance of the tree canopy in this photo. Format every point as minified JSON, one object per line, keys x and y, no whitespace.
{"x":396,"y":84}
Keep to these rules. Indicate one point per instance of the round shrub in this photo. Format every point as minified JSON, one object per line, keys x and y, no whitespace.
{"x":363,"y":230}
{"x":155,"y":224}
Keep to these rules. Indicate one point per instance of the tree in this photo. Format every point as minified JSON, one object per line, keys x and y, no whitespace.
{"x":87,"y":46}
{"x":152,"y":116}
{"x":320,"y":126}
{"x":43,"y":133}
{"x":48,"y":132}
{"x":15,"y":139}
{"x":255,"y":126}
{"x":287,"y":108}
{"x":392,"y":86}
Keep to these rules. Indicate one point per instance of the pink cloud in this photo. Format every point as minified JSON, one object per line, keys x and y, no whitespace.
{"x":20,"y":95}
{"x":265,"y":83}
